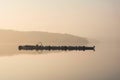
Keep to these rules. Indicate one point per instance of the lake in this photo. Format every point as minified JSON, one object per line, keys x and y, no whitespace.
{"x":103,"y":64}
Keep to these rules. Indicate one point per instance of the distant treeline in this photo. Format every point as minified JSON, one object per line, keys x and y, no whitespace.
{"x":65,"y":48}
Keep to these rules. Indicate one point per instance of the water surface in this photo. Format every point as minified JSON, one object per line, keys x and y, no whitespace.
{"x":103,"y":64}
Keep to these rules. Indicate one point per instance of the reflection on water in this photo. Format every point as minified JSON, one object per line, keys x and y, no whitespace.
{"x":103,"y":64}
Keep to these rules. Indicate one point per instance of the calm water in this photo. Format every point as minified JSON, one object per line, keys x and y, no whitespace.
{"x":103,"y":64}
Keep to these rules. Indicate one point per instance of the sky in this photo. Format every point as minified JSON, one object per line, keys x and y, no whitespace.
{"x":78,"y":17}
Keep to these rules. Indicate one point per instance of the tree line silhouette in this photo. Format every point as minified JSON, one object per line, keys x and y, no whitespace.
{"x":65,"y":48}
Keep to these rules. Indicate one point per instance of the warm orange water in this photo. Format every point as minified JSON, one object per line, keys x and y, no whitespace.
{"x":103,"y":64}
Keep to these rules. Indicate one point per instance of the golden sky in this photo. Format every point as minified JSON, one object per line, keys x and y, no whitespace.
{"x":79,"y":17}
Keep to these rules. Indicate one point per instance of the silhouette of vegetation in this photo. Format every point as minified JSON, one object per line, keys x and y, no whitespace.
{"x":65,"y":48}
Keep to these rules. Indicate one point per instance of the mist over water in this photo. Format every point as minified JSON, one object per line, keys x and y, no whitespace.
{"x":103,"y":64}
{"x":96,"y":22}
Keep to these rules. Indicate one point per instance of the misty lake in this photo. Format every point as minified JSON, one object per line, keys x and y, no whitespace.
{"x":103,"y":64}
{"x":60,"y":23}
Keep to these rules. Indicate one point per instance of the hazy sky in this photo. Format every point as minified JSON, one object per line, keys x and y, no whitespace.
{"x":80,"y":17}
